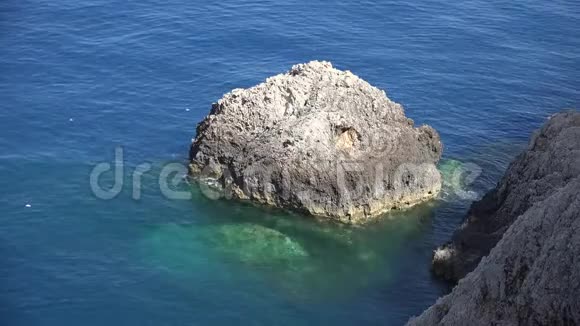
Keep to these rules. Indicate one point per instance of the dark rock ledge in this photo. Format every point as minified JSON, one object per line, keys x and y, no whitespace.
{"x":517,"y":256}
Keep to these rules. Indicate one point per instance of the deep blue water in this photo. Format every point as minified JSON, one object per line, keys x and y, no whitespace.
{"x":79,"y":78}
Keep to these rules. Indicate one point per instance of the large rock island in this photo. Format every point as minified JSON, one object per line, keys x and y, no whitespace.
{"x":520,"y":245}
{"x":316,"y":140}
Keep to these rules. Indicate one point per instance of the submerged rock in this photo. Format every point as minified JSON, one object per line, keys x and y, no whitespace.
{"x":316,"y":140}
{"x":179,"y":247}
{"x":254,"y":244}
{"x":529,"y":229}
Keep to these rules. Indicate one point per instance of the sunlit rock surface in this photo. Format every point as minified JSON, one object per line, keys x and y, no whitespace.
{"x":316,"y":140}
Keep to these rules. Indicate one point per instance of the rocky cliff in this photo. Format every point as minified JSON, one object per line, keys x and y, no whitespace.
{"x":316,"y":140}
{"x":549,"y":163}
{"x":528,"y":229}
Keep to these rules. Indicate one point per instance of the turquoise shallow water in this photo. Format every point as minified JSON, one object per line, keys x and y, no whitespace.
{"x":79,"y":78}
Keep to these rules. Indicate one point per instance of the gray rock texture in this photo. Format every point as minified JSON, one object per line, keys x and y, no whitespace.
{"x":316,"y":140}
{"x":532,"y":274}
{"x":550,"y":162}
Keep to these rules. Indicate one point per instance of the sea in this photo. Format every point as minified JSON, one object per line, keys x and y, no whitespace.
{"x":99,"y":101}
